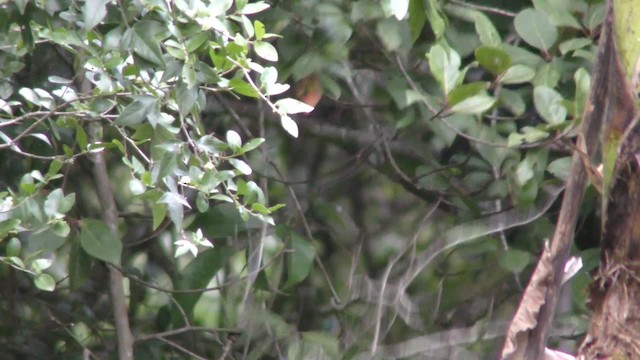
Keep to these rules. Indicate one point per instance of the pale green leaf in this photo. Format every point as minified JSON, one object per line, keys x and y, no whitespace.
{"x":265,"y":50}
{"x":548,"y":103}
{"x":474,"y":105}
{"x":289,"y":125}
{"x":535,"y":29}
{"x":292,"y":106}
{"x":93,"y":12}
{"x":517,"y":74}
{"x":44,"y":282}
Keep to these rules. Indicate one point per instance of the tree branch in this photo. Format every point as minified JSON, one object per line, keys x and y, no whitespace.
{"x":110,"y":217}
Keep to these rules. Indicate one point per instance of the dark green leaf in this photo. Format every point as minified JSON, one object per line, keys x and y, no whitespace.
{"x":137,"y":111}
{"x":144,"y":42}
{"x":223,"y":220}
{"x":300,"y":260}
{"x":514,"y":260}
{"x":493,"y":59}
{"x":197,"y":275}
{"x":79,"y":263}
{"x":435,"y":17}
{"x":417,"y":18}
{"x":466,"y":91}
{"x":243,"y":88}
{"x":98,"y":241}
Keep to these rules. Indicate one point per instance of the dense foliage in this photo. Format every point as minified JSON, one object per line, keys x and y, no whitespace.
{"x":400,"y":217}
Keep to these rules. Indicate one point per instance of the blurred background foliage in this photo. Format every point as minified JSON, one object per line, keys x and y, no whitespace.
{"x":417,"y":194}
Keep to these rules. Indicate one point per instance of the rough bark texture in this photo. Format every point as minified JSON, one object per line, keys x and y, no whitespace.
{"x":615,"y":292}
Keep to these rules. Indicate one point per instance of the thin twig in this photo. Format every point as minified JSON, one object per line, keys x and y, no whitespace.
{"x":488,"y":9}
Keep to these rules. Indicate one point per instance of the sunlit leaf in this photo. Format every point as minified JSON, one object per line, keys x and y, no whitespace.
{"x":94,"y":11}
{"x":293,"y":106}
{"x":45,"y":282}
{"x":289,"y":125}
{"x":548,"y":103}
{"x":266,"y":51}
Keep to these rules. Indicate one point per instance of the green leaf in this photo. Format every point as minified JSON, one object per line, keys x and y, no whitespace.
{"x":466,"y":91}
{"x":196,"y":41}
{"x":254,"y":8}
{"x":8,"y":226}
{"x":474,"y":105}
{"x":81,"y":137}
{"x":560,"y":168}
{"x":583,"y":84}
{"x":265,"y":50}
{"x":436,"y":18}
{"x":175,"y":205}
{"x":188,"y":75}
{"x":573,"y":44}
{"x":558,"y":12}
{"x":158,"y":213}
{"x":326,"y":341}
{"x":98,"y":241}
{"x":79,"y":265}
{"x":445,"y":66}
{"x":93,"y":12}
{"x":292,"y":106}
{"x":197,"y":275}
{"x":514,"y":260}
{"x":493,"y":59}
{"x":233,"y":140}
{"x":137,"y":111}
{"x":241,"y":166}
{"x":513,"y":101}
{"x":486,"y":30}
{"x":144,"y":42}
{"x":243,"y":88}
{"x":56,"y":204}
{"x":517,"y":74}
{"x":259,"y":29}
{"x":548,"y":103}
{"x":417,"y":18}
{"x":393,"y":34}
{"x":21,"y":4}
{"x":300,"y":260}
{"x":252,"y":144}
{"x":534,"y":28}
{"x":289,"y":125}
{"x":45,"y":282}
